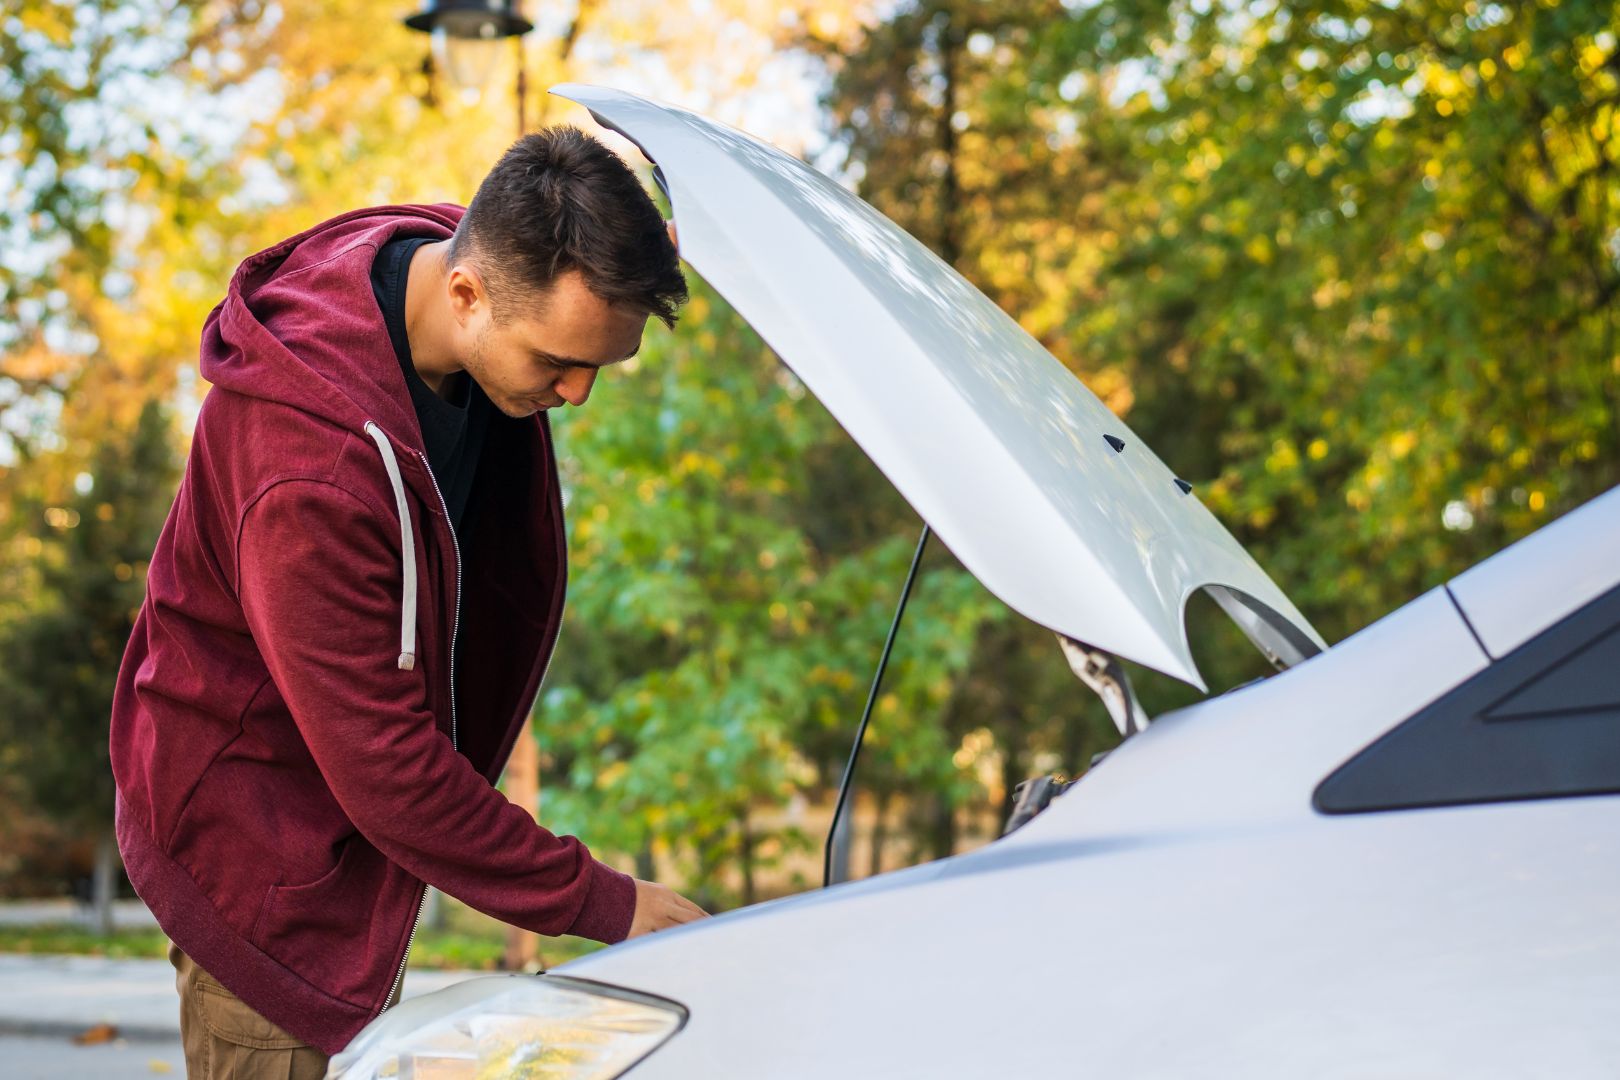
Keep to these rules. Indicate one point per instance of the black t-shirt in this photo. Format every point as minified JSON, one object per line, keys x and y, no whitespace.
{"x":453,"y":428}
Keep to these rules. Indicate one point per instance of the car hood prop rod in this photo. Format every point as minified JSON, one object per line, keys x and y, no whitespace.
{"x":871,"y":698}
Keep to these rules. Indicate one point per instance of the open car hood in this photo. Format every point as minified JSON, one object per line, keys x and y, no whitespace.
{"x":1044,"y":495}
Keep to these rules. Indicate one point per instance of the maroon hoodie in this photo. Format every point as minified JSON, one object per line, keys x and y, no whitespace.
{"x":293,"y":754}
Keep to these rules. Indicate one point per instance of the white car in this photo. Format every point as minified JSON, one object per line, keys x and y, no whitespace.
{"x":1400,"y":856}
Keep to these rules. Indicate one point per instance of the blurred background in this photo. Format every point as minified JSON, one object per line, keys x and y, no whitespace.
{"x":1350,"y":267}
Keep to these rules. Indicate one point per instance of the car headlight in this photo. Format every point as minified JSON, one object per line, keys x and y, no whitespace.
{"x":533,"y":1027}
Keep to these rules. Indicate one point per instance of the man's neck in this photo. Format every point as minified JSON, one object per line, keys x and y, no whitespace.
{"x":425,"y":315}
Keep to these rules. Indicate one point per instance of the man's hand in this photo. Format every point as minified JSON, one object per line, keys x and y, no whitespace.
{"x":658,"y":907}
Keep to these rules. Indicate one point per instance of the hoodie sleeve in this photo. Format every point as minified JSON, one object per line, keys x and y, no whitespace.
{"x":318,"y":578}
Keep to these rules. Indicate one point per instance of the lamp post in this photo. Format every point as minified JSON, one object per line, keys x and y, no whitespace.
{"x":466,"y":39}
{"x":466,"y":35}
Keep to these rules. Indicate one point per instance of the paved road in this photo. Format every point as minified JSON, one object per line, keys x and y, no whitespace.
{"x":127,"y":914}
{"x":32,"y":1057}
{"x":45,"y":1000}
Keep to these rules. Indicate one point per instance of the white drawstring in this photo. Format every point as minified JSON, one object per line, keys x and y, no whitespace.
{"x":407,"y":540}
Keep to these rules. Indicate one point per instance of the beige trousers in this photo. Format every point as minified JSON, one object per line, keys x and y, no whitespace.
{"x":223,"y":1039}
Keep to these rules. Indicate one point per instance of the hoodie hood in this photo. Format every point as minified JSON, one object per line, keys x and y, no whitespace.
{"x":300,"y":326}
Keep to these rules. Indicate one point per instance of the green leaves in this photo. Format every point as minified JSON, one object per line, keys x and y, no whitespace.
{"x":60,"y":653}
{"x":1344,"y":266}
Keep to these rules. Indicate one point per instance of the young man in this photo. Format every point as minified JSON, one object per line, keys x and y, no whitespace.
{"x":352,"y":603}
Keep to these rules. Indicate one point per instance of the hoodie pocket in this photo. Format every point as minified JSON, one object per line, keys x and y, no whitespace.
{"x":320,"y":930}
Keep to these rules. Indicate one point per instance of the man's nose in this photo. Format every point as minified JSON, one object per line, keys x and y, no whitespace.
{"x":575,"y":387}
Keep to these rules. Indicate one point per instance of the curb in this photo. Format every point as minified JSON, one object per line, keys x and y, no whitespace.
{"x":61,"y":1029}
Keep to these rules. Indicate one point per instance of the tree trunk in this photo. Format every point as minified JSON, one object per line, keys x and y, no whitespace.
{"x":880,"y":834}
{"x":938,"y":820}
{"x":103,"y":883}
{"x":1012,"y":774}
{"x":745,"y":854}
{"x":432,"y":909}
{"x":523,"y":788}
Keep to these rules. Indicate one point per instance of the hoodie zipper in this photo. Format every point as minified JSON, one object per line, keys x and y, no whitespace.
{"x":455,"y":625}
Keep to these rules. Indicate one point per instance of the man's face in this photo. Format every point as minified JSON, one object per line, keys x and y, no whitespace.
{"x":546,"y":351}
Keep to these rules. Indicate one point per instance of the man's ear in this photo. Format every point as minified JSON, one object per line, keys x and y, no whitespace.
{"x":468,"y":296}
{"x":670,"y":227}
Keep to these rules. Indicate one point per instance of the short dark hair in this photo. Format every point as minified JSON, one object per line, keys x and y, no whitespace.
{"x":560,"y":200}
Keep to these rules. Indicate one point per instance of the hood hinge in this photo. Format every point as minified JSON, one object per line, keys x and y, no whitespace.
{"x":1103,"y":673}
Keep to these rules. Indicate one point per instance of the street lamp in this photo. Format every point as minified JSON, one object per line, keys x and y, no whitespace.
{"x":466,"y":35}
{"x":466,"y":39}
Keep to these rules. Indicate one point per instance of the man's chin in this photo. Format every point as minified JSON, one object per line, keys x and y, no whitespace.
{"x":519,"y":410}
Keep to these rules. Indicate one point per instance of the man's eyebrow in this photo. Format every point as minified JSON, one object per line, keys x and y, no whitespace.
{"x":563,"y":361}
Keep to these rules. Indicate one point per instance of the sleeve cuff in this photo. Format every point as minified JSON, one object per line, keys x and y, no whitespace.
{"x":609,"y":908}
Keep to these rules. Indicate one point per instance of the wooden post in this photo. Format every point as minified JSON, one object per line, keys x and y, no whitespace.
{"x":523,"y":788}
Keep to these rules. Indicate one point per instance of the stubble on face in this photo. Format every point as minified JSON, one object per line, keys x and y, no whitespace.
{"x":477,"y":368}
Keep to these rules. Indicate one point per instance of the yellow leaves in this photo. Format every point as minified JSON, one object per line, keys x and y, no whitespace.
{"x":1441,"y":81}
{"x":1487,"y":69}
{"x":35,"y":362}
{"x":838,"y":679}
{"x":1283,"y":457}
{"x":1401,"y":444}
{"x":54,"y":21}
{"x":1202,"y":163}
{"x":1113,"y":386}
{"x":1259,"y":248}
{"x":691,"y":462}
{"x":1317,"y":450}
{"x":612,"y":774}
{"x":975,"y":745}
{"x":1592,"y":58}
{"x":1538,"y":501}
{"x":1513,"y":56}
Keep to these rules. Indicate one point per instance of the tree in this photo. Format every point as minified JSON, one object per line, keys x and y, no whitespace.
{"x":1348,"y":266}
{"x":57,"y":665}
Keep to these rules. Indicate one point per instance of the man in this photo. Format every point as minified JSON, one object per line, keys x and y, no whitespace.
{"x":352,"y":603}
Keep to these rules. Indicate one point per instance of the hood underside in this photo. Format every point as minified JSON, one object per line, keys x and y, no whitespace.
{"x":1046,"y":496}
